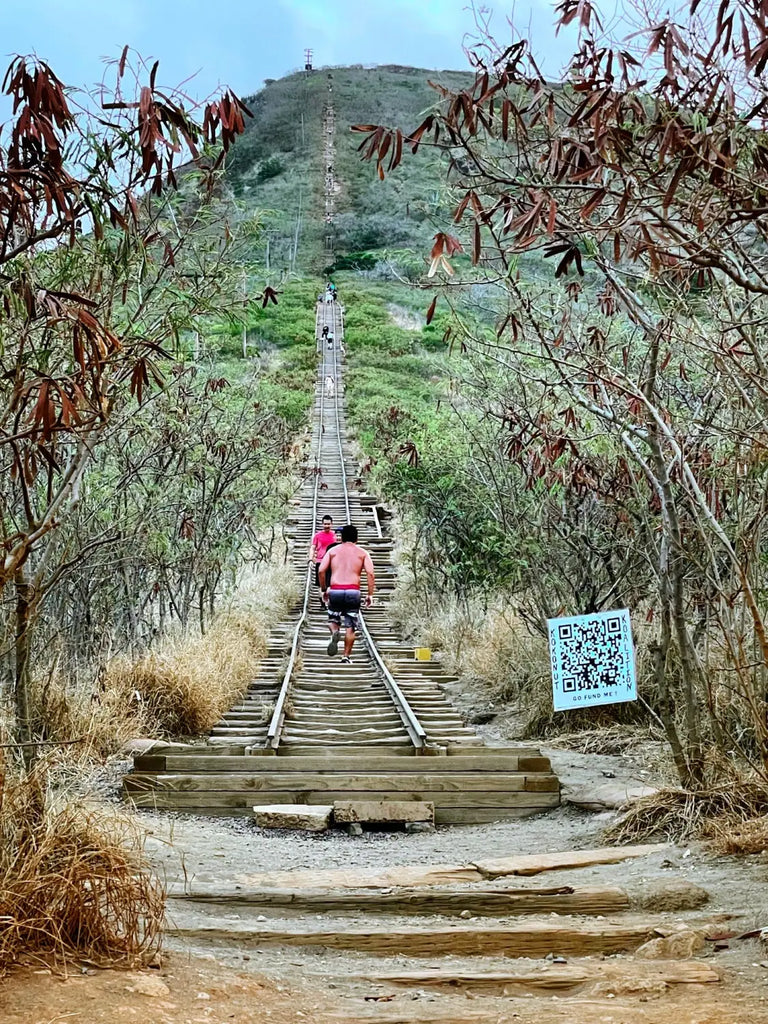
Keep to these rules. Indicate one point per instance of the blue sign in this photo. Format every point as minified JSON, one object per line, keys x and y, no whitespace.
{"x":593,"y":660}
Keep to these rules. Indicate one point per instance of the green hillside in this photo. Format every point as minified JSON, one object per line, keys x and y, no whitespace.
{"x":277,"y":166}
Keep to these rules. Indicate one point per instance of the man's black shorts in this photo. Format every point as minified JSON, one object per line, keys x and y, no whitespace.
{"x":344,"y":608}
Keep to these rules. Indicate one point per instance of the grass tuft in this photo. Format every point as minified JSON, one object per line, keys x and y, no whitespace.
{"x":733,"y":817}
{"x":185,"y":684}
{"x":72,"y":881}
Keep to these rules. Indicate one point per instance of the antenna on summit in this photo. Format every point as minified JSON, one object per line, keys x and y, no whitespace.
{"x":307,"y":60}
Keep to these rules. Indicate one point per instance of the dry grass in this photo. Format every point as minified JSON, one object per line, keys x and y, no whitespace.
{"x":613,"y":739}
{"x":185,"y":683}
{"x":102,"y":720}
{"x":744,"y":837}
{"x":721,"y":814}
{"x":72,"y":881}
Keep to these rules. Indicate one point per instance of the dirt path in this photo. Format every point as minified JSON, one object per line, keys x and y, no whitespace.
{"x":233,"y":978}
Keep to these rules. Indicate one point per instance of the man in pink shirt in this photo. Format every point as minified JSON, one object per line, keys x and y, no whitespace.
{"x":320,"y":544}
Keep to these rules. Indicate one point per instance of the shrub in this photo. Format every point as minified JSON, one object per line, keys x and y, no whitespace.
{"x":270,"y":168}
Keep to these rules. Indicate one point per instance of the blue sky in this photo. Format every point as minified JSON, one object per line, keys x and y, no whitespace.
{"x":241,"y":42}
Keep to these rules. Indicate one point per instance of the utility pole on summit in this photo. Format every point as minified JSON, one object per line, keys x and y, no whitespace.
{"x":308,"y":59}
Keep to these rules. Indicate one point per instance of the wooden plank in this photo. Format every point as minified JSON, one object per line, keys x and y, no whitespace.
{"x":376,"y":810}
{"x":555,"y":978}
{"x":585,"y":900}
{"x":374,"y":763}
{"x":535,"y":939}
{"x":406,"y":782}
{"x":364,"y":878}
{"x":535,"y":863}
{"x":487,"y":815}
{"x":448,"y":802}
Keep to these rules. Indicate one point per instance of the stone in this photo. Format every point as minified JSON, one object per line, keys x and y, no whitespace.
{"x":147,"y":985}
{"x":354,"y":828}
{"x":483,"y":717}
{"x":309,"y":817}
{"x":652,"y":988}
{"x":607,"y":796}
{"x":383,"y":810}
{"x":678,"y":946}
{"x":667,"y":894}
{"x":419,"y":826}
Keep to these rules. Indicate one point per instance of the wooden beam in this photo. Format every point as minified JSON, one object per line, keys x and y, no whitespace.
{"x":376,"y":762}
{"x":535,"y":939}
{"x":482,"y":902}
{"x":555,"y":978}
{"x":405,"y":782}
{"x":447,"y":802}
{"x":535,"y":863}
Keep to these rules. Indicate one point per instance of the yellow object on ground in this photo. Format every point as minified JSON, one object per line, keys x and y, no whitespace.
{"x":422,"y":654}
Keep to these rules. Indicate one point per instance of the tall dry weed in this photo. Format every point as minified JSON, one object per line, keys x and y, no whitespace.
{"x":73,"y":881}
{"x":185,"y":683}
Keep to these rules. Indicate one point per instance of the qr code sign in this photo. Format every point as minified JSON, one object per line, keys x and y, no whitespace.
{"x":593,"y":660}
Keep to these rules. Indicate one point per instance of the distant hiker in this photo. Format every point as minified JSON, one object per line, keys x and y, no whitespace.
{"x":342,"y":349}
{"x":319,"y":545}
{"x":325,"y":331}
{"x":346,"y":562}
{"x":330,"y":386}
{"x":329,"y":337}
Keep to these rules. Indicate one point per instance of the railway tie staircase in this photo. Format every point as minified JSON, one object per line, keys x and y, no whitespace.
{"x":310,"y":730}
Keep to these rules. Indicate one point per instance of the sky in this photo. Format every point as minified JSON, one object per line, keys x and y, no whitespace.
{"x":239,"y":43}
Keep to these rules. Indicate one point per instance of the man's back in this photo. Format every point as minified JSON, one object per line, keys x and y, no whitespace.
{"x":347,"y":562}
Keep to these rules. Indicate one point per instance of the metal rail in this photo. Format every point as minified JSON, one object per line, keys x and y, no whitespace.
{"x":410,"y":722}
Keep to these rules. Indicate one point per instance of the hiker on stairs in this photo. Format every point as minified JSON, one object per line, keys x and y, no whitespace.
{"x":320,"y":544}
{"x":346,"y":562}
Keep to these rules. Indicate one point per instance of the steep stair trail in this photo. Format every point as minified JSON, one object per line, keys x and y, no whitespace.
{"x":310,"y":730}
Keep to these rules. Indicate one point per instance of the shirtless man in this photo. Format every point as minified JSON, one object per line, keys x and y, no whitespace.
{"x":346,"y":562}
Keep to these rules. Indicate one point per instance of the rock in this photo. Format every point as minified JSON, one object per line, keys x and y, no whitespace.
{"x":310,"y":817}
{"x":607,"y":796}
{"x":483,"y":717}
{"x":419,"y":826}
{"x":666,"y":894}
{"x":354,"y":828}
{"x":148,"y":985}
{"x":383,"y":810}
{"x":678,"y":946}
{"x":649,"y":987}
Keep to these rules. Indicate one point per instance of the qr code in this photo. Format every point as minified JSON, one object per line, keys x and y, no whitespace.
{"x":593,"y":654}
{"x":593,"y":660}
